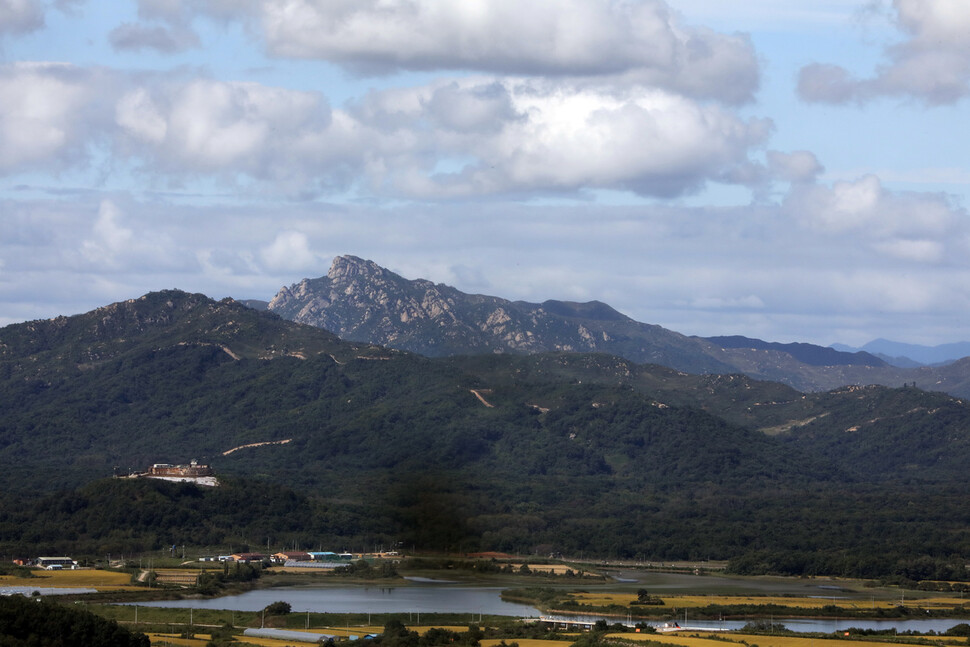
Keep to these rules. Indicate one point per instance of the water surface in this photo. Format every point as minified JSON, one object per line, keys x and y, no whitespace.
{"x":434,"y":598}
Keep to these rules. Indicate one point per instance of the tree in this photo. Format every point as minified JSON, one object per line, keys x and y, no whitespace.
{"x":278,"y":608}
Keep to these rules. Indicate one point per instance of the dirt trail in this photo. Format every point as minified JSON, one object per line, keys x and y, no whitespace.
{"x":268,"y":442}
{"x":482,"y":399}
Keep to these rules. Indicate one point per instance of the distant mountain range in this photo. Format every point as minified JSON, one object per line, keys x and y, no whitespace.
{"x":361,"y":301}
{"x":911,"y":355}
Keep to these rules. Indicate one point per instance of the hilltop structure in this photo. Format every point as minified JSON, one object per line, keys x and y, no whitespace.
{"x":191,"y":473}
{"x":192,"y":470}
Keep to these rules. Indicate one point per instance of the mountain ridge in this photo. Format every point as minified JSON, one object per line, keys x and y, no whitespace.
{"x":360,"y":300}
{"x":904,"y":355}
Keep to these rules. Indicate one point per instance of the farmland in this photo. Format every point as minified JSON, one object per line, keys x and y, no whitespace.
{"x":84,"y":579}
{"x":606,"y":599}
{"x":700,"y":639}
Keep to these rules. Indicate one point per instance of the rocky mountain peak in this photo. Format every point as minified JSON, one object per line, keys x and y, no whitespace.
{"x":348,"y":267}
{"x":361,"y":301}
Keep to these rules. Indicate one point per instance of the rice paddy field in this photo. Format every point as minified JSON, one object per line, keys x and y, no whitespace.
{"x":67,"y":579}
{"x":556,"y":569}
{"x":529,"y":642}
{"x":160,"y":640}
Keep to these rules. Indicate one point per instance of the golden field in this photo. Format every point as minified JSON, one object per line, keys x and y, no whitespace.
{"x":722,"y":640}
{"x":530,"y":642}
{"x":693,"y":601}
{"x":88,"y":579}
{"x":557,"y":569}
{"x":172,"y":639}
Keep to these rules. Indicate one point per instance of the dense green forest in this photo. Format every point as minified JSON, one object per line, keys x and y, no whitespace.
{"x":38,"y":623}
{"x":550,"y":453}
{"x":854,"y":534}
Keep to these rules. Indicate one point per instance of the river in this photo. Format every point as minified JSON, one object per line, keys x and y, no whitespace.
{"x":423,"y":595}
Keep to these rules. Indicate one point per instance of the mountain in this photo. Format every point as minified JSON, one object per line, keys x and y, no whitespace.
{"x":806,"y":353}
{"x":362,"y":301}
{"x":906,"y":355}
{"x":578,"y":451}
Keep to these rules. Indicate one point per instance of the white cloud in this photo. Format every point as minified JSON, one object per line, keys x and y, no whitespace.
{"x":799,"y":166}
{"x":750,"y":302}
{"x":641,"y":41}
{"x":122,"y":243}
{"x":932,"y":63}
{"x":556,"y":137}
{"x":137,"y":114}
{"x":449,"y":138}
{"x":111,"y":242}
{"x":290,"y":250}
{"x":920,"y":227}
{"x":45,"y":114}
{"x":229,"y":130}
{"x":112,"y":236}
{"x":921,"y":251}
{"x":20,"y":16}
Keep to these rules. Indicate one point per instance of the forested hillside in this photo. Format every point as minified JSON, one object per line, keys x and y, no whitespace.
{"x":566,"y":452}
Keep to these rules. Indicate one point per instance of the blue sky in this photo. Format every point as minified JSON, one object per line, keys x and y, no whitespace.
{"x":791,"y":171}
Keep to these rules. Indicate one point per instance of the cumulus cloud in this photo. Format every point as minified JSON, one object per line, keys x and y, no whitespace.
{"x":557,"y":137}
{"x":629,"y":41}
{"x":290,"y":250}
{"x":119,"y":241}
{"x":931,"y":63}
{"x":906,"y":225}
{"x":111,"y":237}
{"x":446,"y":139}
{"x":20,"y":16}
{"x":227,"y":129}
{"x":48,"y":114}
{"x":799,"y":166}
{"x":641,"y":41}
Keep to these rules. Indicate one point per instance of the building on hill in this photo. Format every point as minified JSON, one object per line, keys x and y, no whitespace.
{"x":297,"y":556}
{"x":191,"y":473}
{"x":192,"y":470}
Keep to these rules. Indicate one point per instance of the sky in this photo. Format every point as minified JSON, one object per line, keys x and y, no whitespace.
{"x":792,"y":171}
